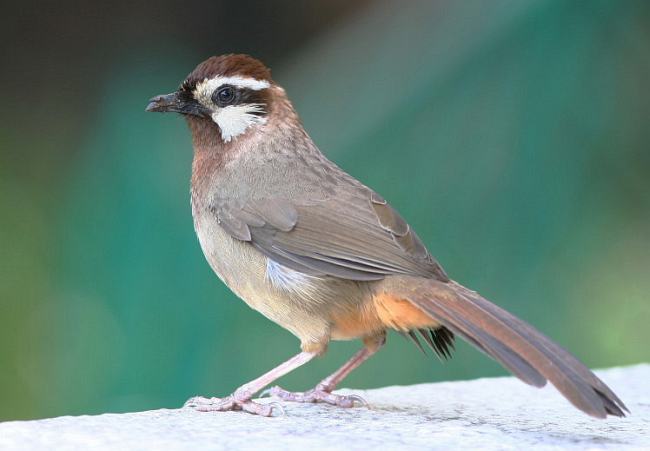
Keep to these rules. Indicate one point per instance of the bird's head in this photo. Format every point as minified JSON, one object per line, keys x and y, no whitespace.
{"x":226,"y":95}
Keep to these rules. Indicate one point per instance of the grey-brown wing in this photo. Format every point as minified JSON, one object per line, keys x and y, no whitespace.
{"x":356,"y":236}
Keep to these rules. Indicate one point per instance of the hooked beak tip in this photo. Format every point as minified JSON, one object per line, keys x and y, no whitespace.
{"x":152,"y":105}
{"x":162,"y":103}
{"x":176,"y":102}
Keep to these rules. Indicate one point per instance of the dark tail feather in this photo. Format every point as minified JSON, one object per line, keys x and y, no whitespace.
{"x":518,"y":346}
{"x":613,"y":404}
{"x":414,"y":338}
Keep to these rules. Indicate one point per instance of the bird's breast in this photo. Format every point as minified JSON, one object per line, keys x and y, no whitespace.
{"x":301,"y":303}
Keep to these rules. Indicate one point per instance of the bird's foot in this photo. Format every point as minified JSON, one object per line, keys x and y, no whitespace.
{"x":318,"y":394}
{"x":232,"y":402}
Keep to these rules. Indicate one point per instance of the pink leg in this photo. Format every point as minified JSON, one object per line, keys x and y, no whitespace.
{"x":241,"y":398}
{"x":323,"y":390}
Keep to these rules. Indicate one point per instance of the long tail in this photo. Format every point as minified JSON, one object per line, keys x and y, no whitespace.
{"x":518,"y":346}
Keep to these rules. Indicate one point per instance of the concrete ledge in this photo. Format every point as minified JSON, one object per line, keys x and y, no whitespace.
{"x":496,"y":413}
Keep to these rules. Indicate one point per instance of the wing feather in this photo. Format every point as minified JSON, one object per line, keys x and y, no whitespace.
{"x":356,"y":235}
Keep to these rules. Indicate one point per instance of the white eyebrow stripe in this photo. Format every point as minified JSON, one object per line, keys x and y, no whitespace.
{"x":240,"y":82}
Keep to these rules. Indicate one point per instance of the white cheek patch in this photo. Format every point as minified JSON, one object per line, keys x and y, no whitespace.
{"x":233,"y":120}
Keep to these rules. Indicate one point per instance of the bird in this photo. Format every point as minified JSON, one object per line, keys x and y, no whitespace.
{"x":324,"y":256}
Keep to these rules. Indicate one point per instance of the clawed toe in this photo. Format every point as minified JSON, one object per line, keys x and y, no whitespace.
{"x":265,"y":393}
{"x":229,"y":403}
{"x":197,"y":401}
{"x":356,"y":398}
{"x":318,"y":395}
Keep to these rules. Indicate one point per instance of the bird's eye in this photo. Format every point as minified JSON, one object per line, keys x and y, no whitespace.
{"x":224,"y":96}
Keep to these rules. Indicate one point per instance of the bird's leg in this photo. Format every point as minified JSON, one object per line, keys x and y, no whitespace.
{"x":323,"y":390}
{"x":241,"y":398}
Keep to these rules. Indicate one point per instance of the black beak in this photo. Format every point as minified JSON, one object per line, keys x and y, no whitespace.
{"x":164,"y":103}
{"x":176,"y":102}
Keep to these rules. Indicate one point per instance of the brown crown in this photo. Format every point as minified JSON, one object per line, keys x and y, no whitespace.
{"x":228,"y":65}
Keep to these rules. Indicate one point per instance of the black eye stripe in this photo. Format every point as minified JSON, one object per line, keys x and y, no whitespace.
{"x":251,"y":96}
{"x":242,"y":96}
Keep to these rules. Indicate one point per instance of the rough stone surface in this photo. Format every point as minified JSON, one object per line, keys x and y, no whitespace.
{"x":497,"y":413}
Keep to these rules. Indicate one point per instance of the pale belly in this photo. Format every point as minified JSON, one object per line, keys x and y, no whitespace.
{"x":305,"y":305}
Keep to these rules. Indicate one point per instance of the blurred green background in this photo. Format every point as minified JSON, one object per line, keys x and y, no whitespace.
{"x":514,"y":136}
